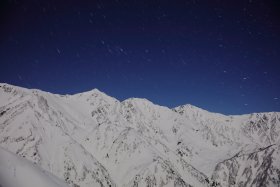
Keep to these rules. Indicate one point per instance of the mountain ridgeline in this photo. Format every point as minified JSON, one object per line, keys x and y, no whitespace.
{"x":91,"y":139}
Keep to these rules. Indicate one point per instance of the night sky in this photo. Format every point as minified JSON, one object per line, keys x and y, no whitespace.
{"x":223,"y":56}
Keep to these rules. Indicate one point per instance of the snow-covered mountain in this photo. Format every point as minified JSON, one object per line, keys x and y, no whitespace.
{"x":92,"y":139}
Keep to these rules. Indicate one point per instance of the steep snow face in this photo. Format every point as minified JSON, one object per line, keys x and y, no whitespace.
{"x":257,"y":168}
{"x":261,"y":129}
{"x":91,"y":139}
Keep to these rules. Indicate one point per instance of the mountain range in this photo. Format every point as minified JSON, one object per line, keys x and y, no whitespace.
{"x":92,"y":139}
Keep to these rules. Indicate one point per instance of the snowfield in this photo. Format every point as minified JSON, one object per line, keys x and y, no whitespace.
{"x":91,"y":139}
{"x":16,"y":171}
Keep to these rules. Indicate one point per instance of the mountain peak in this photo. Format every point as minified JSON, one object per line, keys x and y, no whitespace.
{"x":94,"y":92}
{"x":137,"y":100}
{"x":187,"y":107}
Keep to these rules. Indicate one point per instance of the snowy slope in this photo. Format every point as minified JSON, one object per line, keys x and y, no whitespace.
{"x":91,"y":139}
{"x":16,"y":171}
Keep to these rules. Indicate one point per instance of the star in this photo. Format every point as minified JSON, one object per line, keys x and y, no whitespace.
{"x":58,"y":51}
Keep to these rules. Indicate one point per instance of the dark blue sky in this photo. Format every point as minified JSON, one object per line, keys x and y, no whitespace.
{"x":219,"y":55}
